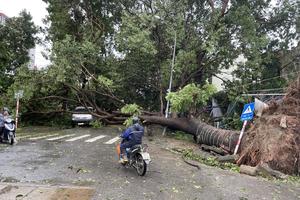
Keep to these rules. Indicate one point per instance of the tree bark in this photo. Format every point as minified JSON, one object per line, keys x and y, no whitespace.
{"x":202,"y":132}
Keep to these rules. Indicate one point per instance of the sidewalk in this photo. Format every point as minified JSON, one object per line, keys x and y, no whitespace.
{"x":16,"y":191}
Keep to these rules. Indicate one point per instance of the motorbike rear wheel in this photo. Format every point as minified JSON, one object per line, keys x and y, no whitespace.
{"x":141,"y":166}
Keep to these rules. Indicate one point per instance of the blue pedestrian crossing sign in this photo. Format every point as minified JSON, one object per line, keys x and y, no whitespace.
{"x":248,"y":112}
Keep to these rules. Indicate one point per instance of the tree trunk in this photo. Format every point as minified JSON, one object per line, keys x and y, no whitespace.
{"x":202,"y":132}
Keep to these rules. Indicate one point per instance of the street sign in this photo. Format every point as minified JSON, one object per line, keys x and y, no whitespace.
{"x":246,"y":115}
{"x":19,"y":94}
{"x":248,"y":112}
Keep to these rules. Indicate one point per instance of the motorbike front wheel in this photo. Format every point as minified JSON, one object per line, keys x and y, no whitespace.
{"x":141,"y":166}
{"x":11,"y":139}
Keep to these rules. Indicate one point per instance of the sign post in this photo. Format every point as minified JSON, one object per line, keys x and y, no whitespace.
{"x":247,"y":114}
{"x":18,"y":96}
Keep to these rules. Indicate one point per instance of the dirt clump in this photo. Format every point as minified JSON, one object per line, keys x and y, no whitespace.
{"x":274,"y":139}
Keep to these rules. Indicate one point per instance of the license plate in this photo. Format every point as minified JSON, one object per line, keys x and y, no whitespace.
{"x":80,"y":123}
{"x":146,"y":156}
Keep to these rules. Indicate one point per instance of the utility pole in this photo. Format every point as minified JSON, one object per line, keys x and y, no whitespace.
{"x":171,"y":80}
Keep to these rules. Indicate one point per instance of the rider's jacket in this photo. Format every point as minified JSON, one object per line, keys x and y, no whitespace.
{"x":134,"y":133}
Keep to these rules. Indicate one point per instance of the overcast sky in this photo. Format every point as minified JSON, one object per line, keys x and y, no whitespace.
{"x":37,"y":9}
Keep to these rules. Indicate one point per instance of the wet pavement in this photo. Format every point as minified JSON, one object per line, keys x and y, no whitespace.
{"x":71,"y":161}
{"x":13,"y":191}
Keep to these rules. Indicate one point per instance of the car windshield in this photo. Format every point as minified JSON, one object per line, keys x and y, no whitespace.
{"x":82,"y":110}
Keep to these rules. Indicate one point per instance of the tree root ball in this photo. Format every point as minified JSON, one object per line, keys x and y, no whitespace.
{"x":275,"y":137}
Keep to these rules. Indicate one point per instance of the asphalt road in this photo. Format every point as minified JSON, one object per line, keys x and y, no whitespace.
{"x":72,"y":160}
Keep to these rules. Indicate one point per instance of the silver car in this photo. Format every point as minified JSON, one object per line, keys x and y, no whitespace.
{"x":82,"y":116}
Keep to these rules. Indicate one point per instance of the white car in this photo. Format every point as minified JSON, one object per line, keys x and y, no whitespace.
{"x":82,"y":116}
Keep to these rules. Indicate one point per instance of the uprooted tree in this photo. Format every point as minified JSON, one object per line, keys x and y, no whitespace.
{"x":107,"y":54}
{"x":273,"y":139}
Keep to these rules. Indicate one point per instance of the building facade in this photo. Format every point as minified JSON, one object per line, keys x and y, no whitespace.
{"x":227,"y":74}
{"x":3,"y":18}
{"x":31,"y":63}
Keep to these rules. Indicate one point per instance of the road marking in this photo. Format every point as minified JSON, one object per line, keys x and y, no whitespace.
{"x":77,"y":138}
{"x":25,"y":136}
{"x":112,"y":140}
{"x":41,"y":137}
{"x":60,"y":137}
{"x":95,"y":138}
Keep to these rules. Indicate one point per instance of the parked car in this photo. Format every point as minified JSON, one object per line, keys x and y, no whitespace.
{"x":82,"y":116}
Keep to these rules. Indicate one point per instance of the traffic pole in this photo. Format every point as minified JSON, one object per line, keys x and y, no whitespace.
{"x":17,"y":112}
{"x":240,"y":138}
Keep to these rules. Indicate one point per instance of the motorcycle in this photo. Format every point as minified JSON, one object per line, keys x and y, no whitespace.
{"x":138,"y":158}
{"x":9,"y":131}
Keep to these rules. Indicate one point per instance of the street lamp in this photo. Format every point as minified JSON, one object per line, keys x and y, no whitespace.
{"x":170,"y":82}
{"x":171,"y":77}
{"x":171,"y":74}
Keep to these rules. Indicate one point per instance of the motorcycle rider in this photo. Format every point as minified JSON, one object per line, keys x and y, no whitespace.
{"x":1,"y":125}
{"x":3,"y":115}
{"x":131,"y":136}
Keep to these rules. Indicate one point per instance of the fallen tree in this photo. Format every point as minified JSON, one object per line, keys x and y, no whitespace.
{"x":273,"y":139}
{"x":204,"y":133}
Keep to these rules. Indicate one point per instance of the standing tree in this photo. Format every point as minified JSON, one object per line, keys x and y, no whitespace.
{"x":17,"y":36}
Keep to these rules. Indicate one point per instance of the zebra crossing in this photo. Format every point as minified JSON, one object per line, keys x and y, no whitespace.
{"x":74,"y":137}
{"x":96,"y":138}
{"x":112,"y":140}
{"x":77,"y":138}
{"x":42,"y":137}
{"x":60,"y":137}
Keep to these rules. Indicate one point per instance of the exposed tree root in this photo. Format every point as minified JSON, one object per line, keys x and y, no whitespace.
{"x":275,"y":137}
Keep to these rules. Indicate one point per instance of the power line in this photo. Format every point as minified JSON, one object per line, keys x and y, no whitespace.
{"x":267,"y":90}
{"x":266,"y":94}
{"x":263,"y":80}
